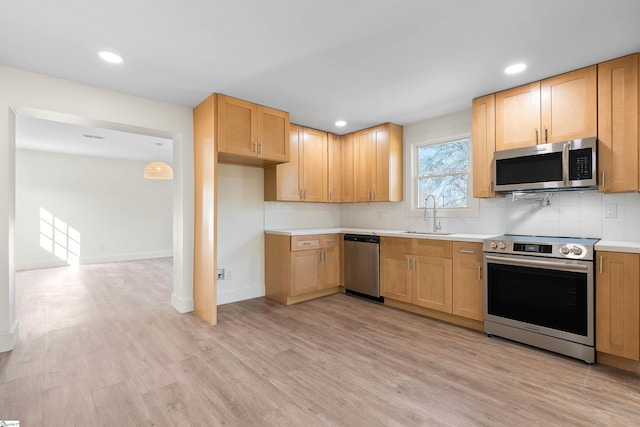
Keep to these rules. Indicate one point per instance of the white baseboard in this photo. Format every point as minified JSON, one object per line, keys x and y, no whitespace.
{"x":226,"y":296}
{"x":9,"y":338}
{"x":34,"y":265}
{"x":183,"y":305}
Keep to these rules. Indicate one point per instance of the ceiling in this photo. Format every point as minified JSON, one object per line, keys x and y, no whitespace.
{"x":364,"y":61}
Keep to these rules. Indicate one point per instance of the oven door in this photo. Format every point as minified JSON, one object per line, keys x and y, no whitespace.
{"x":552,"y":297}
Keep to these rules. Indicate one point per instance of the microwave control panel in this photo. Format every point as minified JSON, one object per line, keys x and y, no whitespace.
{"x":580,"y":164}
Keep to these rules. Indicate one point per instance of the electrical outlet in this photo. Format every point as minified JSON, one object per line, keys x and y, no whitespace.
{"x":101,"y":247}
{"x":229,"y":275}
{"x":221,"y":274}
{"x":611,"y":211}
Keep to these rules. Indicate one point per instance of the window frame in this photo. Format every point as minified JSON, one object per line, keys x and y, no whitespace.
{"x":412,"y":204}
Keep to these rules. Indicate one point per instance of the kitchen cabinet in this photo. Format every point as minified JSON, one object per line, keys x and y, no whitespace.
{"x":252,"y":134}
{"x":304,"y":177}
{"x":378,"y":164}
{"x":396,"y":268}
{"x":618,"y":88}
{"x":340,"y":168}
{"x":517,"y":113}
{"x":468,"y":284}
{"x":618,"y":304}
{"x":299,"y":268}
{"x":416,"y":271}
{"x":483,"y":143}
{"x":556,"y":109}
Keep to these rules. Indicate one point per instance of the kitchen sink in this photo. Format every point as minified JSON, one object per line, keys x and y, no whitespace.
{"x":433,"y":233}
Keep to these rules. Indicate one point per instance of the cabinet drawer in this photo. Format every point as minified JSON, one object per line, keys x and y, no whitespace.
{"x":467,"y":251}
{"x":303,"y":243}
{"x":330,"y":240}
{"x":396,"y":244}
{"x":433,"y":248}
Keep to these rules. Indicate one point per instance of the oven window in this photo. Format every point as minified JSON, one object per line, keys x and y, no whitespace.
{"x":550,"y":298}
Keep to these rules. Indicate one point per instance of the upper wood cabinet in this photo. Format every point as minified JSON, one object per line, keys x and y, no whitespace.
{"x":618,"y":305}
{"x":483,"y":142}
{"x":347,"y":184}
{"x":569,"y":104}
{"x":378,"y":164}
{"x":556,"y":109}
{"x":340,"y":168}
{"x":618,"y":88}
{"x":517,"y":113}
{"x":252,"y":134}
{"x":304,"y":177}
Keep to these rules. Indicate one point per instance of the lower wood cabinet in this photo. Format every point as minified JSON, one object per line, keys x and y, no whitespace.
{"x":298,"y":268}
{"x":437,"y":278}
{"x":618,"y":304}
{"x":468,"y":282}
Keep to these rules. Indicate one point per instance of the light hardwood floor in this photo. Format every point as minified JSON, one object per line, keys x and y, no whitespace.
{"x":100,"y":345}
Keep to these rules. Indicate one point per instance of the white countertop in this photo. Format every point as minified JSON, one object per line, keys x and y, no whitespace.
{"x":618,"y":246}
{"x":460,"y":237}
{"x":602,"y":245}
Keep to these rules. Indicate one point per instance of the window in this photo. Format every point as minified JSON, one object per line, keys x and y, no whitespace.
{"x":442,"y":169}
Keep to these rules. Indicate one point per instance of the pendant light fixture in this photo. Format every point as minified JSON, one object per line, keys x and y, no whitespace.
{"x":158,"y":170}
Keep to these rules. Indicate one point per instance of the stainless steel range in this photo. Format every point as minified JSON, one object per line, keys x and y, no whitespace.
{"x":540,"y":291}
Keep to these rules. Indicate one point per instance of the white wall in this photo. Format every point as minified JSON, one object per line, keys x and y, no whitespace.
{"x":240,"y":232}
{"x":119,"y":214}
{"x":279,"y":215}
{"x":46,"y":97}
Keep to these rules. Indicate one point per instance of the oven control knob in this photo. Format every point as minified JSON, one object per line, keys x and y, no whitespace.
{"x":577,"y":250}
{"x":493,"y":245}
{"x":501,"y":245}
{"x":564,"y":250}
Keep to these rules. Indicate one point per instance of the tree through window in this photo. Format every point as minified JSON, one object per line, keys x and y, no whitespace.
{"x":443,"y":170}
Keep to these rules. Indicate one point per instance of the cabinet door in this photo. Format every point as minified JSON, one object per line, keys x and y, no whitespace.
{"x":331,"y":264}
{"x":432,"y":283}
{"x":518,"y":117}
{"x":483,"y":143}
{"x":237,"y":126}
{"x":348,"y":178}
{"x":313,"y":160}
{"x":334,"y":168}
{"x":288,"y":174}
{"x":396,"y":276}
{"x":380,"y":163}
{"x":273,"y":134}
{"x":305,"y":271}
{"x":618,"y":124}
{"x":363,"y":165}
{"x":569,"y":105}
{"x":618,"y":305}
{"x":468,"y":286}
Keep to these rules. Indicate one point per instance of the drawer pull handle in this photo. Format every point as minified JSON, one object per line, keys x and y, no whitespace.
{"x":467,"y":251}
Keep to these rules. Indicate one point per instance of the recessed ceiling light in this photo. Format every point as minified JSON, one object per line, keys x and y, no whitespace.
{"x":515,"y":68}
{"x":111,"y":57}
{"x":341,"y":123}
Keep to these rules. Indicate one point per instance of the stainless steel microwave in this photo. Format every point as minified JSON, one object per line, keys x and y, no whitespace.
{"x":556,"y":166}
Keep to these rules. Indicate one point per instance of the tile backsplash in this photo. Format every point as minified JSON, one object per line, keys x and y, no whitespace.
{"x":571,"y":213}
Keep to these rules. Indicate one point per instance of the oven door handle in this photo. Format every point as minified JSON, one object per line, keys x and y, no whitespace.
{"x":538,"y":263}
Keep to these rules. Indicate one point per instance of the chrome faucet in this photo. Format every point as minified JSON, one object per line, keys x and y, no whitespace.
{"x":436,"y":224}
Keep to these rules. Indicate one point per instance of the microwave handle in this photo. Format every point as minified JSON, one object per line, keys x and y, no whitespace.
{"x":565,"y":163}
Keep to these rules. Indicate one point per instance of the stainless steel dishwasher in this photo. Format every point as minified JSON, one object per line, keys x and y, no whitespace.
{"x":362,"y":266}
